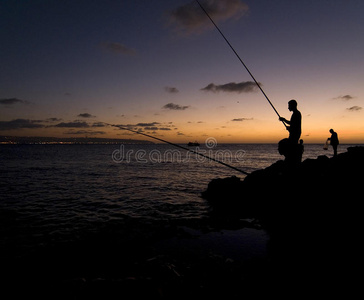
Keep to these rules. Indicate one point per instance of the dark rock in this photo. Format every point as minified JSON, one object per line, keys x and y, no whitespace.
{"x":227,"y":189}
{"x":311,"y":213}
{"x":309,"y":184}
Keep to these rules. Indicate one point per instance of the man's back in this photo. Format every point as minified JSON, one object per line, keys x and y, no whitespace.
{"x":295,"y":126}
{"x":334,"y":140}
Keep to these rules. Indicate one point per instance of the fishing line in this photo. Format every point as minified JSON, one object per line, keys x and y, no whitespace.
{"x":184,"y":148}
{"x":242,"y":62}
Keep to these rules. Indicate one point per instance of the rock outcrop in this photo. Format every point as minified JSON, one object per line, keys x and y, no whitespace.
{"x":315,"y":185}
{"x":312,"y":213}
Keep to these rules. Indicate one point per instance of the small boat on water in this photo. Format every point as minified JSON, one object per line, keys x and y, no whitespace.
{"x":193,"y":144}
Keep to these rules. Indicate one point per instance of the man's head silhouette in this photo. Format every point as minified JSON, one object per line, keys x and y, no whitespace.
{"x":292,"y":105}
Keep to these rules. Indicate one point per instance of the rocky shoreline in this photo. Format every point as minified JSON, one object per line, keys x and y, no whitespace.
{"x":318,"y":182}
{"x":312,"y":213}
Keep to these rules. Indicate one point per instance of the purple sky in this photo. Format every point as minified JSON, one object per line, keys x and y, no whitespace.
{"x":69,"y":68}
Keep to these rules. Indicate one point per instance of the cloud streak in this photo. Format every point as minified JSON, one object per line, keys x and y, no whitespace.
{"x":86,"y":115}
{"x":75,"y":124}
{"x":172,"y":106}
{"x":190,"y":18}
{"x":118,"y":48}
{"x":232,"y":87}
{"x":145,"y":124}
{"x":171,"y":90}
{"x":53,"y":120}
{"x":99,"y":124}
{"x":241,"y":119}
{"x":74,"y":128}
{"x":152,"y":126}
{"x":12,"y":101}
{"x":354,"y":108}
{"x":20,"y":124}
{"x":345,"y":98}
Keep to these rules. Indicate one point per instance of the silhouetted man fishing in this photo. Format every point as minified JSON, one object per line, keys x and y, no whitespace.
{"x":290,"y":147}
{"x":334,"y":141}
{"x":295,"y":122}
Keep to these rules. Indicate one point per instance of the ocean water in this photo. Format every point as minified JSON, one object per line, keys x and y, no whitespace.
{"x":51,"y":192}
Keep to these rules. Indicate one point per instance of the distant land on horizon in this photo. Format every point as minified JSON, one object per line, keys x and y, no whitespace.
{"x":78,"y":140}
{"x":34,"y":140}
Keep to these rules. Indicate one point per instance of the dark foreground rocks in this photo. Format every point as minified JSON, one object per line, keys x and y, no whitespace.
{"x":315,"y":186}
{"x":323,"y":177}
{"x":312,"y":212}
{"x":131,"y":259}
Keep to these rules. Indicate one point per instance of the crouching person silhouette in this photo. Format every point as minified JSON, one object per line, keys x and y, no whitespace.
{"x":292,"y":153}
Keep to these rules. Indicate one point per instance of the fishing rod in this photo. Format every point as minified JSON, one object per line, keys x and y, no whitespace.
{"x":242,"y":62}
{"x":179,"y":146}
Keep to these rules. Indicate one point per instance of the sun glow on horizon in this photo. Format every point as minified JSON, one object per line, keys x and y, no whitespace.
{"x":173,"y":77}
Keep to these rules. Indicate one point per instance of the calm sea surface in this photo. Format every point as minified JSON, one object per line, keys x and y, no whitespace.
{"x":62,"y":189}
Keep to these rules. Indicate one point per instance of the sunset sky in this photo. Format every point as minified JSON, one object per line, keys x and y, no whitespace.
{"x":71,"y":68}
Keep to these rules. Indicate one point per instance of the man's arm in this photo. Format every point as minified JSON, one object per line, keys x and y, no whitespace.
{"x":284,"y":120}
